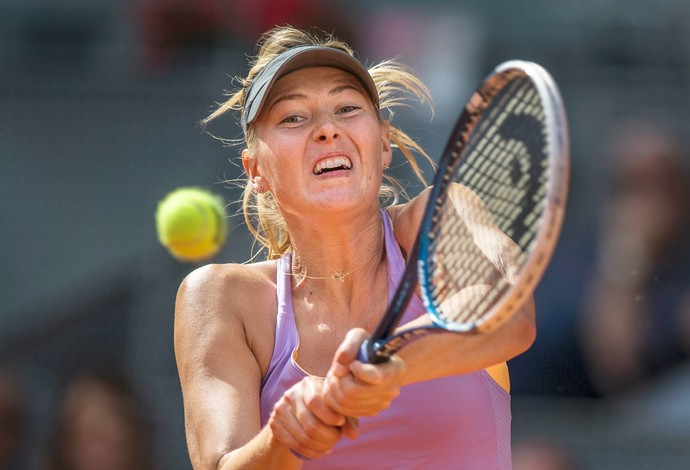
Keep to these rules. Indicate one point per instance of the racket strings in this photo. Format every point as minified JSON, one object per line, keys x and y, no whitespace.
{"x":503,"y":177}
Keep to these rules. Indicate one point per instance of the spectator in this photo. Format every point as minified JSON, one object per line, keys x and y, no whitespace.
{"x":636,"y":322}
{"x":100,"y":426}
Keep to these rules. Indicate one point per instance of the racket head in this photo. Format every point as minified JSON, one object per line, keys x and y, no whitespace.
{"x":508,"y":158}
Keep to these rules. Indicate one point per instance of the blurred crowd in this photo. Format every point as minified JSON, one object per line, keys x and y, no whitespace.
{"x":614,"y":313}
{"x":635,"y":323}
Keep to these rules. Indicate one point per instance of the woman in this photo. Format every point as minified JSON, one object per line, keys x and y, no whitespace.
{"x":266,"y":351}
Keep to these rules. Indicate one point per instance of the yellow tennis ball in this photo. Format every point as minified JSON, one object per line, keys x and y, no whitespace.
{"x":191,"y":223}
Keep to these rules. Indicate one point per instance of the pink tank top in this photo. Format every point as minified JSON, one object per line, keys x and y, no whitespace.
{"x":459,"y":422}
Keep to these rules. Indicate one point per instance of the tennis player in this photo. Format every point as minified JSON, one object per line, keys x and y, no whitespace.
{"x":267,"y":350}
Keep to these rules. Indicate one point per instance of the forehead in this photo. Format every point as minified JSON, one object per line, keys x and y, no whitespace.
{"x":314,"y":79}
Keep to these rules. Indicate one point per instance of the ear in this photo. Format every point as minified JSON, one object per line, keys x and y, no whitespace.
{"x":251,"y":168}
{"x":387,"y":148}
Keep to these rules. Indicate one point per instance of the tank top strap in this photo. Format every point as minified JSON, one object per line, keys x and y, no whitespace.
{"x":286,"y":329}
{"x":394,"y":258}
{"x":396,"y":269}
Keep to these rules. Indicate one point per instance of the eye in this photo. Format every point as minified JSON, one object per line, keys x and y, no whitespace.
{"x":292,"y":119}
{"x":348,"y":109}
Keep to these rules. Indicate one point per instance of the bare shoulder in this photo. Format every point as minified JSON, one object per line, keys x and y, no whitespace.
{"x":227,"y":283}
{"x":221,"y":304}
{"x":225,"y":288}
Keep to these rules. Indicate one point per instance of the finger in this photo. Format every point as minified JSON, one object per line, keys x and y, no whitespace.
{"x":351,"y":428}
{"x":314,"y":401}
{"x":294,"y":426}
{"x":344,"y":394}
{"x":347,"y":352}
{"x":367,"y":391}
{"x":316,"y":436}
{"x":284,"y":424}
{"x":306,"y":440}
{"x":390,"y":372}
{"x":350,"y":399}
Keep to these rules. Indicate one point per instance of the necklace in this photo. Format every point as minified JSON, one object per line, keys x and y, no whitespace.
{"x":337,"y":275}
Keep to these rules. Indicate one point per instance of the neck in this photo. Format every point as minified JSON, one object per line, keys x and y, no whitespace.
{"x":341,"y":254}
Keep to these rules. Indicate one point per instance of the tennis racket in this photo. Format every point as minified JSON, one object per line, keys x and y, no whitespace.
{"x":494,"y":211}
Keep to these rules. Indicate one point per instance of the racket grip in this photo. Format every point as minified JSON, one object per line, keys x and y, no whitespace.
{"x":363,"y":355}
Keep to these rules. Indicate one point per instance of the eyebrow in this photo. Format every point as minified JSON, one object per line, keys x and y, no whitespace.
{"x":302,"y":97}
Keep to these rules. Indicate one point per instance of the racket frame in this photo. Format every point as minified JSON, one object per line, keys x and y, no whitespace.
{"x":382,"y":343}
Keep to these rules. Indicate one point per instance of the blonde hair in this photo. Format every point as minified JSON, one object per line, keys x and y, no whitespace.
{"x":394,"y":82}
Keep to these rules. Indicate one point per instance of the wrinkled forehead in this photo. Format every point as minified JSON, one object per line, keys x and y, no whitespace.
{"x":302,"y":83}
{"x":296,"y":59}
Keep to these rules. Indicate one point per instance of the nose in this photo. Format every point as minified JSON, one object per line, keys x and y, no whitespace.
{"x":326,"y":130}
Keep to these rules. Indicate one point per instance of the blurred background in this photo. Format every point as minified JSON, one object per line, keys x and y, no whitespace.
{"x":99,"y":110}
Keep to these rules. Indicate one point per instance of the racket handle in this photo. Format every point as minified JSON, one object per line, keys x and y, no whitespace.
{"x":363,"y":355}
{"x":370,"y":357}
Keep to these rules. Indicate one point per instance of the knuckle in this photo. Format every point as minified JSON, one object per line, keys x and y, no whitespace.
{"x":311,"y":429}
{"x":311,"y":401}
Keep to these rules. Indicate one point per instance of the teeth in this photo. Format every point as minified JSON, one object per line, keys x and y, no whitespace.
{"x":330,"y":163}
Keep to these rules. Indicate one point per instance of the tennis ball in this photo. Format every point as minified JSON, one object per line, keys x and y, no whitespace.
{"x":191,"y":224}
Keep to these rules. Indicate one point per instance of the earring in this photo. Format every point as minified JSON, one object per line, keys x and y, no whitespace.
{"x":260,"y":189}
{"x":385,"y":167}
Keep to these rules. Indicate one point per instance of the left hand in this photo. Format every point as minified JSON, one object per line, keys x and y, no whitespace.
{"x":300,"y":420}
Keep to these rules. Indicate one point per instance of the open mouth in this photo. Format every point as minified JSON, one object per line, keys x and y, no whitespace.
{"x":332,"y":164}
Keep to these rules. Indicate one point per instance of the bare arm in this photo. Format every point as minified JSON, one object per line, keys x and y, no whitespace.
{"x":358,"y":389}
{"x":220,"y":375}
{"x":452,"y":354}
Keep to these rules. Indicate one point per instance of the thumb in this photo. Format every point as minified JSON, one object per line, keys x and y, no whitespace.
{"x":347,"y":352}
